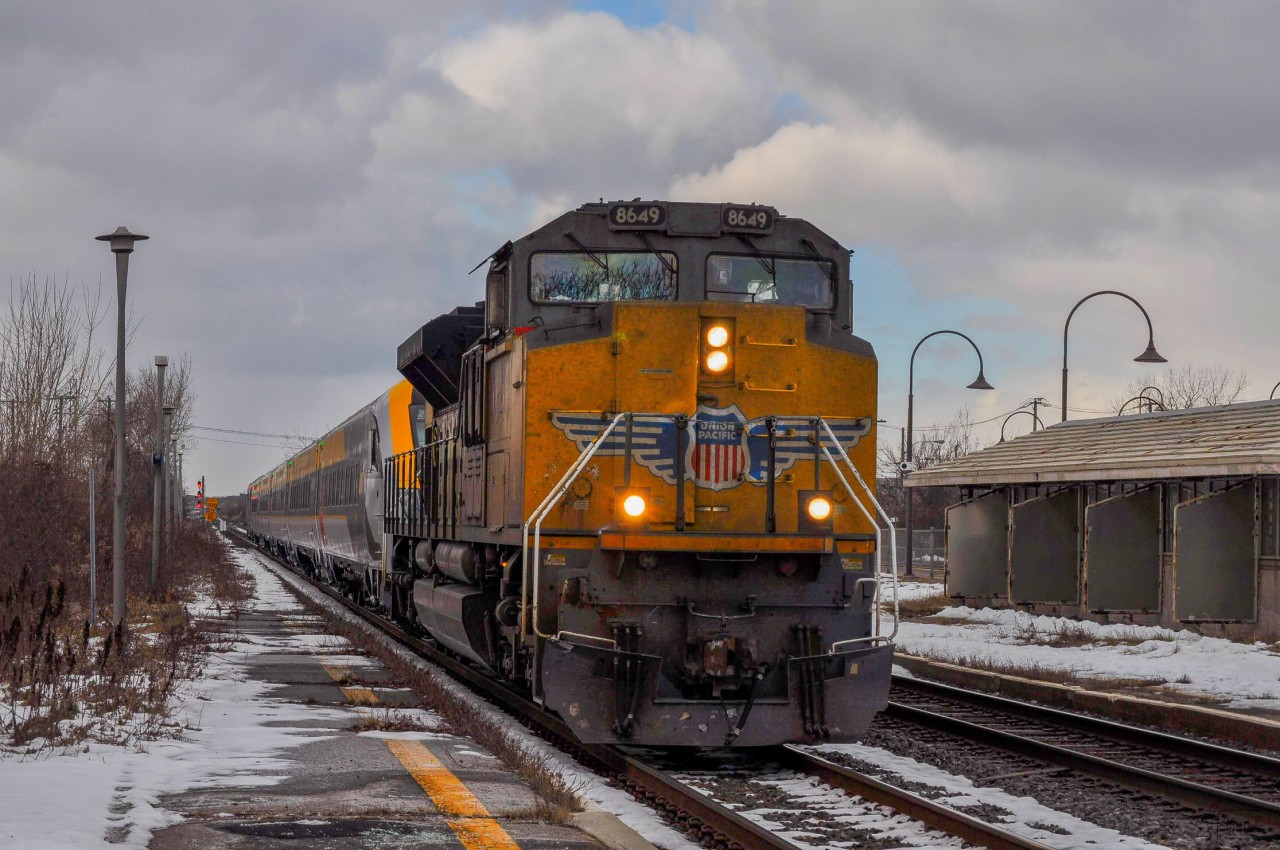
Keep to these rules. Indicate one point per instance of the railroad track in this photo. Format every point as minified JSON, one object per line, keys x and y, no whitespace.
{"x":705,"y":820}
{"x":1240,"y":785}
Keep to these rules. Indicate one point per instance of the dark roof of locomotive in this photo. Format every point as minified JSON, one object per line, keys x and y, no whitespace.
{"x":1235,"y":440}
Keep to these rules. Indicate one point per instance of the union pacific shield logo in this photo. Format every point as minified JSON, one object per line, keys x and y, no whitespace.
{"x":722,"y":448}
{"x":718,"y":455}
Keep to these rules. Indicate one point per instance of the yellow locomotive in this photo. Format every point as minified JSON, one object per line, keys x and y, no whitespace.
{"x":641,"y":482}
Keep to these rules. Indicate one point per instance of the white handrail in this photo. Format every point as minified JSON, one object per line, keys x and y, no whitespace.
{"x":876,"y":528}
{"x":535,"y":519}
{"x":893,"y":543}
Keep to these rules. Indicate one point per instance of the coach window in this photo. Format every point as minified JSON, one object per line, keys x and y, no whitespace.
{"x":773,"y":280}
{"x":594,"y":277}
{"x":418,"y":418}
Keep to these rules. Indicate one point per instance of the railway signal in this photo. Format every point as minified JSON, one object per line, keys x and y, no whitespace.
{"x":200,"y":494}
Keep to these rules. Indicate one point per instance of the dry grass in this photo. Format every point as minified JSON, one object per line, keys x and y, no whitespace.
{"x":1056,"y":675}
{"x":390,"y":720}
{"x":65,"y":676}
{"x":922,"y":606}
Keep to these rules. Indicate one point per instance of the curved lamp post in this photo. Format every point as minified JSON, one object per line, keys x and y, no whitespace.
{"x":122,"y":246}
{"x":1151,"y":403}
{"x":1273,"y":390}
{"x":979,"y":383}
{"x":1159,"y":392}
{"x":1035,"y":421}
{"x":1148,"y":356}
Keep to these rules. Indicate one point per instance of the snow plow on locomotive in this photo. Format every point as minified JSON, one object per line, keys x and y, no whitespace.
{"x":640,"y":483}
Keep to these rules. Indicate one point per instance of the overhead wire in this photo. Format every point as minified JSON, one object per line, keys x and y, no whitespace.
{"x":240,"y":442}
{"x":1023,"y":406}
{"x":294,"y":437}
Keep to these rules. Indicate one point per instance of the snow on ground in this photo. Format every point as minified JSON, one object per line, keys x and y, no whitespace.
{"x":1026,"y":817}
{"x":589,"y":787}
{"x":234,"y":733}
{"x":1244,"y":675}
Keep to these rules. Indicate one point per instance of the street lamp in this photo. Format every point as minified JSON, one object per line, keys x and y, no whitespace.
{"x":122,"y":246}
{"x":1148,"y":356}
{"x":157,"y":474}
{"x":1035,"y":420}
{"x":1141,"y":399}
{"x":169,"y":444}
{"x":1273,"y":390}
{"x":979,"y":383}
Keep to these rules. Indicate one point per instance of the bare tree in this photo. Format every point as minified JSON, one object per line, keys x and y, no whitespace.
{"x":938,"y":443}
{"x":51,"y":371}
{"x":1183,"y":387}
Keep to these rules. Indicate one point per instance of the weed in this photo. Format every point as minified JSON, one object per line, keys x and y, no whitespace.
{"x":1057,"y":675}
{"x":390,"y":720}
{"x":921,"y":606}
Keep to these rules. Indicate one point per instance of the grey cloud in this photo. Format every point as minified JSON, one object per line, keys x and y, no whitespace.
{"x":1145,"y":87}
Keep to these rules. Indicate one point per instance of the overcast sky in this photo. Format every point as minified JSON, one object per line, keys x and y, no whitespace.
{"x":318,"y":178}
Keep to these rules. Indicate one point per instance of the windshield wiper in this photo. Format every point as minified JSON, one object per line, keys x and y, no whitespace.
{"x":599,"y":262}
{"x":666,"y":264}
{"x":755,"y":252}
{"x":817,"y":255}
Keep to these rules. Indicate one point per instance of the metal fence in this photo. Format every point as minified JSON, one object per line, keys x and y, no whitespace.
{"x":928,"y":551}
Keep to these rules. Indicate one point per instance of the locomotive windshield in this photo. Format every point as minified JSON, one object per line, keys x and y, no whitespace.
{"x":598,"y":276}
{"x":808,"y":283}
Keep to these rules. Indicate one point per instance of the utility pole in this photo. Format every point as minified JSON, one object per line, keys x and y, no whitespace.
{"x":1035,"y":411}
{"x":173,"y":479}
{"x":122,"y":246}
{"x":93,"y":548}
{"x":157,"y":474}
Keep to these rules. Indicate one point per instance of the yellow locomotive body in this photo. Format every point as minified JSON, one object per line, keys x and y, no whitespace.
{"x":644,"y":492}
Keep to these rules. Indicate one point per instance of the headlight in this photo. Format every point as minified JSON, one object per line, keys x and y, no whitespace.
{"x":717,"y":336}
{"x":819,"y":508}
{"x":717,"y":362}
{"x":633,"y":506}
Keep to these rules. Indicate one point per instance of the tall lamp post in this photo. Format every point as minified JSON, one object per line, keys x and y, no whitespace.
{"x":167,"y":470}
{"x":157,"y":474}
{"x":1148,"y":356}
{"x":122,"y":246}
{"x":979,"y":383}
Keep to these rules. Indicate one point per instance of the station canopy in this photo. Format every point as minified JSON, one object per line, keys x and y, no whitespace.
{"x":1234,"y":440}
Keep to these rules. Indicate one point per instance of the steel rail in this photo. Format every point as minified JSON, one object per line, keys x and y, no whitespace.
{"x":932,"y":814}
{"x":1171,"y":787}
{"x":699,"y":815}
{"x":1262,"y":765}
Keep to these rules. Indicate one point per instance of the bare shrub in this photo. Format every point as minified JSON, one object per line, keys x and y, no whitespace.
{"x":62,"y":677}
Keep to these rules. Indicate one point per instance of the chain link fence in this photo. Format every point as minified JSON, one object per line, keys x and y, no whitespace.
{"x":928,"y":551}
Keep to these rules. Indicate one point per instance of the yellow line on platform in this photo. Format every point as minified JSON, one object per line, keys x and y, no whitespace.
{"x":467,"y":816}
{"x":337,"y":672}
{"x":360,"y":696}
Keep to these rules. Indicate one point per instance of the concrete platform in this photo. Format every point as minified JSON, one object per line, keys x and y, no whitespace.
{"x":358,"y":783}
